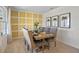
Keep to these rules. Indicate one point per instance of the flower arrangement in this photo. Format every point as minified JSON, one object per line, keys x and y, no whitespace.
{"x":36,"y":24}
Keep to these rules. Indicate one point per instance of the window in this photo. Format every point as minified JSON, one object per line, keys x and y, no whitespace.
{"x":3,"y":23}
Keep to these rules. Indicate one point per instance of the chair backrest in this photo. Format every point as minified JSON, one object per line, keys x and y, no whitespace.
{"x":53,"y":30}
{"x":48,"y":29}
{"x":27,"y":38}
{"x":44,"y":29}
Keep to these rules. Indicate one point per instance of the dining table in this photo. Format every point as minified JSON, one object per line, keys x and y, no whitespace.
{"x":41,"y":36}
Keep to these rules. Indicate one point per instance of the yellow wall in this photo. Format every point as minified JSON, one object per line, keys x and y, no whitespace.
{"x":19,"y":19}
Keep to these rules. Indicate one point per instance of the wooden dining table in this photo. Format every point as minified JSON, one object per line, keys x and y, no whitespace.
{"x":41,"y":36}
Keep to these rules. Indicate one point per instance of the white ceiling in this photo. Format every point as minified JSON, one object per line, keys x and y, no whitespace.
{"x":40,"y":9}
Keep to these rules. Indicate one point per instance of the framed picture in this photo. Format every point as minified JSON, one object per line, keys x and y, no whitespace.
{"x":54,"y":21}
{"x":48,"y":21}
{"x":64,"y":20}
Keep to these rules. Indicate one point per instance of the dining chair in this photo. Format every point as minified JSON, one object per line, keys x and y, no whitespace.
{"x":29,"y":43}
{"x":53,"y":30}
{"x":27,"y":40}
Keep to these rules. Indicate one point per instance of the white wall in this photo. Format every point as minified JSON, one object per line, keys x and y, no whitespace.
{"x":67,"y":36}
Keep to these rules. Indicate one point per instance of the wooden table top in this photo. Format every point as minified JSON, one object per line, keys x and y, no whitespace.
{"x":43,"y":35}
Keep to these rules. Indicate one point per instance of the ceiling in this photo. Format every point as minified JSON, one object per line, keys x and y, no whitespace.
{"x":40,"y":9}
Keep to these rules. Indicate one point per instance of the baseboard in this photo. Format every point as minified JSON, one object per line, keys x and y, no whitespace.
{"x":68,"y":44}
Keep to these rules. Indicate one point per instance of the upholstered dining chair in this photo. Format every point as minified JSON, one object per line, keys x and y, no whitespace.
{"x":27,"y":40}
{"x":29,"y":43}
{"x":53,"y":31}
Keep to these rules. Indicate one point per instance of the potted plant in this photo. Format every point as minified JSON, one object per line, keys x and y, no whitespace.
{"x":36,"y":25}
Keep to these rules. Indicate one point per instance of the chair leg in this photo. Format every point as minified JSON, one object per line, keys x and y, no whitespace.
{"x":55,"y":43}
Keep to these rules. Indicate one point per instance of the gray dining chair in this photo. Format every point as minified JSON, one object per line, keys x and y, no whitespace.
{"x":53,"y":31}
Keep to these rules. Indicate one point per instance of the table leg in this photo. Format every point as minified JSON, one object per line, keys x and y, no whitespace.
{"x":42,"y":45}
